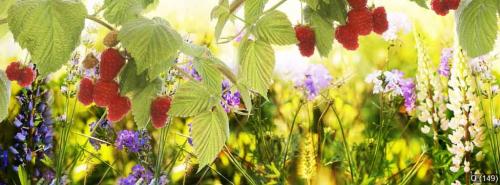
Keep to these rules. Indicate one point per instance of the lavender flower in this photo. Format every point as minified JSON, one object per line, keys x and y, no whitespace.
{"x":315,"y":79}
{"x":101,"y":130}
{"x":132,"y":140}
{"x":189,"y":68}
{"x":444,"y":65}
{"x":230,"y":100}
{"x":4,"y":159}
{"x":140,"y":173}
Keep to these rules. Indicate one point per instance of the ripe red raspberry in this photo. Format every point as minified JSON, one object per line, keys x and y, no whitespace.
{"x":86,"y":91}
{"x":346,"y":35}
{"x":452,"y":4}
{"x":26,"y":77}
{"x":360,"y":20}
{"x":307,"y":40}
{"x":356,"y":4}
{"x":380,"y":24}
{"x":118,"y":108}
{"x":111,"y":64}
{"x":159,"y":108}
{"x":104,"y":92}
{"x":13,"y":71}
{"x":439,"y":7}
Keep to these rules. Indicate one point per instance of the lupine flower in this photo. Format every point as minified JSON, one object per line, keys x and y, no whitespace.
{"x":431,"y":107}
{"x":467,"y":130}
{"x":315,"y":79}
{"x":230,"y":100}
{"x":131,"y":140}
{"x":139,"y":173}
{"x":444,"y":65}
{"x":398,"y":22}
{"x":34,"y":137}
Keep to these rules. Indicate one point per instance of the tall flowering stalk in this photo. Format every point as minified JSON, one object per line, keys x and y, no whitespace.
{"x":431,"y":101}
{"x":466,"y":124}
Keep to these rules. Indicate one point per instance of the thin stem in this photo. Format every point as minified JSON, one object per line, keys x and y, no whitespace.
{"x":101,"y":22}
{"x":235,"y":5}
{"x":290,"y":134}
{"x":346,"y":147}
{"x":3,"y":21}
{"x":161,"y":153}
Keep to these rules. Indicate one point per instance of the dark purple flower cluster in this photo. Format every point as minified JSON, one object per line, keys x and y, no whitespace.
{"x":33,"y":139}
{"x":142,"y":175}
{"x":101,"y":130}
{"x":133,"y":141}
{"x":230,"y":99}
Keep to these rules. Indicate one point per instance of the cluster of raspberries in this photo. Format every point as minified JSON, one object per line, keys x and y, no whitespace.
{"x":306,"y":38}
{"x":105,"y":92}
{"x":24,"y":75}
{"x":361,"y":21}
{"x":442,"y":7}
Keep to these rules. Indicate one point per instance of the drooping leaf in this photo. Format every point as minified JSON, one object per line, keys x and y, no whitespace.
{"x":275,"y":28}
{"x":4,"y":95}
{"x":192,"y":98}
{"x":420,"y":3}
{"x":49,"y":29}
{"x":130,"y":81}
{"x":210,"y":130}
{"x":245,"y":96}
{"x":150,"y":41}
{"x":221,"y":13}
{"x":323,"y":31}
{"x":159,"y":68}
{"x":254,"y":9}
{"x":5,"y":5}
{"x":477,"y":26}
{"x":256,"y":65}
{"x":211,"y":77}
{"x":121,"y":11}
{"x":141,"y":102}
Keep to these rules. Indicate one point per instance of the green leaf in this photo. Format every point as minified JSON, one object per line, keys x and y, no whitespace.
{"x":420,"y":3}
{"x":312,"y":3}
{"x":194,"y":50}
{"x":141,"y":103}
{"x":23,"y":176}
{"x":221,"y":13}
{"x":150,"y":41}
{"x":256,"y":65}
{"x":4,"y":28}
{"x":49,"y":29}
{"x":329,"y":10}
{"x":4,"y":95}
{"x":210,"y":131}
{"x":192,"y":98}
{"x":210,"y":75}
{"x":223,"y":68}
{"x":159,"y":68}
{"x":275,"y":28}
{"x":254,"y":9}
{"x":477,"y":26}
{"x":323,"y":31}
{"x":130,"y":81}
{"x":121,"y":11}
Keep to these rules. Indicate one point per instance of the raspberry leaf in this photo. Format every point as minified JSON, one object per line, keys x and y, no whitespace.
{"x":477,"y":26}
{"x":192,"y":98}
{"x":4,"y":95}
{"x":150,"y":42}
{"x":49,"y":29}
{"x":323,"y":31}
{"x":210,"y":75}
{"x":4,"y":29}
{"x":313,"y":4}
{"x":245,"y":96}
{"x":221,"y":13}
{"x":254,"y":9}
{"x":210,"y":131}
{"x":257,"y":61}
{"x":121,"y":11}
{"x":275,"y":28}
{"x":141,"y":102}
{"x":130,"y":81}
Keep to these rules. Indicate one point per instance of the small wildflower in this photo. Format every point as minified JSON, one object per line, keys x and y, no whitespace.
{"x":315,"y":79}
{"x":444,"y":65}
{"x":130,"y":140}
